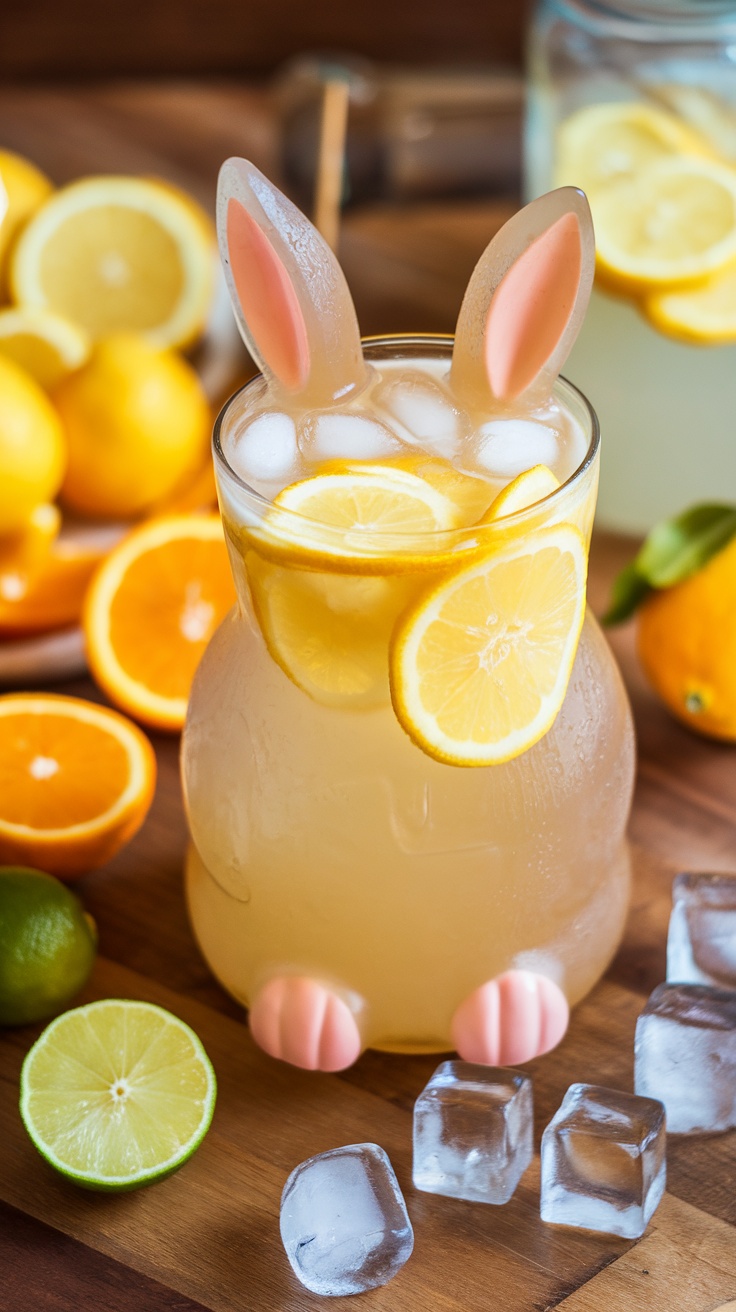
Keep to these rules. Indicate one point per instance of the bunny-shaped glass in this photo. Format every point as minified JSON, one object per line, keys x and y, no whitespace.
{"x":347,"y":881}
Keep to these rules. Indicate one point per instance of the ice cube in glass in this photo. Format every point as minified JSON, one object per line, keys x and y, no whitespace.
{"x":344,"y":1223}
{"x":603,"y":1161}
{"x":685,"y":1054}
{"x":473,"y":1132}
{"x":701,"y":944}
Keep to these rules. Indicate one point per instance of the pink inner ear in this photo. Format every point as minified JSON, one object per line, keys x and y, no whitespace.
{"x":531,"y":308}
{"x":269,"y":302}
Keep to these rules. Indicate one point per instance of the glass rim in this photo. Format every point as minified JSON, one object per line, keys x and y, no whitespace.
{"x":391,"y":540}
{"x":656,"y":20}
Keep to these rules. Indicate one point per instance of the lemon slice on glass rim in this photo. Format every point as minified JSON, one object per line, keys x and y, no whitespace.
{"x":479,"y":667}
{"x":117,"y":1094}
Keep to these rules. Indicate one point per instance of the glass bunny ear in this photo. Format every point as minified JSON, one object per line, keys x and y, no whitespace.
{"x":525,"y":302}
{"x":291,"y":301}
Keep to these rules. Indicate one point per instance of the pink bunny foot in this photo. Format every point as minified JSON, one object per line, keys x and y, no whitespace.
{"x":510,"y":1019}
{"x":303,"y":1022}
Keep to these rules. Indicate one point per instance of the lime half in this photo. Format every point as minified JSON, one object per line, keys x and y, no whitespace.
{"x":117,"y":1094}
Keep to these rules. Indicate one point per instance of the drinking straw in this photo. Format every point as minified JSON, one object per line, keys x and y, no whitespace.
{"x":331,"y":159}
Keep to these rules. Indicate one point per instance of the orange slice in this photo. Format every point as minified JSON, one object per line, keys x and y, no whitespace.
{"x":151,"y":610}
{"x":43,"y":579}
{"x":76,"y":782}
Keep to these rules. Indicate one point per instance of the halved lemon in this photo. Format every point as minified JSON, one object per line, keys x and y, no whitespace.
{"x":674,"y":222}
{"x":523,"y":491}
{"x":704,"y":315}
{"x":600,"y":144}
{"x":118,"y":254}
{"x":25,"y":188}
{"x":377,"y":521}
{"x":76,"y":782}
{"x":150,"y":611}
{"x":45,"y":344}
{"x":480,"y":666}
{"x":329,"y":632}
{"x":117,"y":1094}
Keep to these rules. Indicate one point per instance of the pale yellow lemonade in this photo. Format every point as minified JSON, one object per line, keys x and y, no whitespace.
{"x":327,"y":843}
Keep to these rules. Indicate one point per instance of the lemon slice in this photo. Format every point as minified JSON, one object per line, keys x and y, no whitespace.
{"x":705,"y":314}
{"x":525,"y":490}
{"x":673,"y":223}
{"x":470,"y":493}
{"x":329,"y":633}
{"x":117,"y":1094}
{"x":479,"y":668}
{"x":45,"y":344}
{"x":381,"y":520}
{"x":118,"y":254}
{"x":600,"y":144}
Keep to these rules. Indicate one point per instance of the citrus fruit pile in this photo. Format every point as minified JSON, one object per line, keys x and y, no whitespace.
{"x":472,"y":643}
{"x":104,"y":282}
{"x":664,"y":206}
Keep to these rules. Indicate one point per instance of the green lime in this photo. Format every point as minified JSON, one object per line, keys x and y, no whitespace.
{"x":47,"y":945}
{"x":117,"y":1094}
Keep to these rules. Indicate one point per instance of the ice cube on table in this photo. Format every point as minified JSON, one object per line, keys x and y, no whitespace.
{"x":603,"y":1161}
{"x":423,"y":414}
{"x":507,"y":447}
{"x":344,"y":1223}
{"x":473,"y":1132}
{"x":345,"y":436}
{"x":685,"y":1054}
{"x":265,"y":451}
{"x":701,"y":944}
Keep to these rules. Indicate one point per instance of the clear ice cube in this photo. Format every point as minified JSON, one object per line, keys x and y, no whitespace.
{"x":423,"y":414}
{"x":266,"y":450}
{"x":603,"y":1161}
{"x":345,"y":435}
{"x":473,"y":1132}
{"x":701,"y":944}
{"x":507,"y":447}
{"x":685,"y":1054}
{"x":344,"y":1223}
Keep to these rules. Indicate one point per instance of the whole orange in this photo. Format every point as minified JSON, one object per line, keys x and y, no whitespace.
{"x":687,"y":646}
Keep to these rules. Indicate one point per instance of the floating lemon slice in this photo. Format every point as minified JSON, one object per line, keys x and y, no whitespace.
{"x":525,"y":490}
{"x":45,"y":344}
{"x":334,"y":521}
{"x":673,"y":223}
{"x":705,"y":315}
{"x":118,"y":254}
{"x":600,"y":144}
{"x":480,"y":667}
{"x":117,"y":1094}
{"x":329,"y":633}
{"x":470,"y":493}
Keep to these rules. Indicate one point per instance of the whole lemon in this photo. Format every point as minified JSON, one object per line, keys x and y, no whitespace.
{"x":687,"y":646}
{"x":26,"y":188}
{"x":32,"y":447}
{"x":47,"y":945}
{"x":137,"y":424}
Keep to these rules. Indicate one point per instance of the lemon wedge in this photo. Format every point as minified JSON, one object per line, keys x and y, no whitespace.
{"x":329,"y":633}
{"x":704,"y":315}
{"x":45,"y":344}
{"x":673,"y":223}
{"x":118,"y":254}
{"x":382,"y":520}
{"x":525,"y":490}
{"x":479,"y":666}
{"x":601,"y":144}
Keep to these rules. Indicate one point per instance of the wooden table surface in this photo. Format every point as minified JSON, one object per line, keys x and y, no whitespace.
{"x":207,"y":1238}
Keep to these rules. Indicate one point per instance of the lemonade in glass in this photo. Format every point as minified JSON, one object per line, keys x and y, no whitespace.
{"x":408,"y":757}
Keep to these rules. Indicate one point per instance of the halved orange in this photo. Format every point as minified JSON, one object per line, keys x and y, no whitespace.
{"x":150,"y":611}
{"x":76,"y":782}
{"x":43,"y":578}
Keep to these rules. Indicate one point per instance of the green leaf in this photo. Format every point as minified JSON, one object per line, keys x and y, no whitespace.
{"x":672,"y":552}
{"x":629,"y":589}
{"x":679,"y":547}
